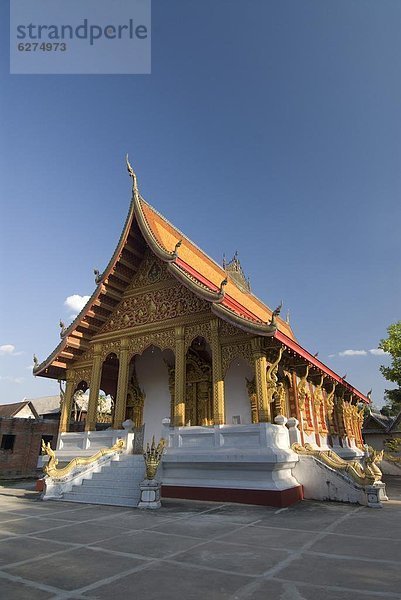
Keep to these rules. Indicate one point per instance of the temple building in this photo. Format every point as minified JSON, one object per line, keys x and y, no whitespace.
{"x":170,"y":336}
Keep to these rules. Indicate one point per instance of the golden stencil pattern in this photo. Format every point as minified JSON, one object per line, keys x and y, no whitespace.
{"x":153,"y":306}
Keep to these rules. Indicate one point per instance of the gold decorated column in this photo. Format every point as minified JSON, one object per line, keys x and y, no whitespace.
{"x":67,"y":402}
{"x":180,"y":373}
{"x":217,"y":371}
{"x":122,"y":384}
{"x":90,"y":424}
{"x":260,"y":365}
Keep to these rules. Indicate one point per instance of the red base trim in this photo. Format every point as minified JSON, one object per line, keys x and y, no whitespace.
{"x":40,"y":485}
{"x":277,"y":498}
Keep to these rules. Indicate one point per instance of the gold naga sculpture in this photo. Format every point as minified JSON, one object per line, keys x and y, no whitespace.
{"x":153,"y":456}
{"x":51,"y":470}
{"x":363,"y":474}
{"x":271,"y":376}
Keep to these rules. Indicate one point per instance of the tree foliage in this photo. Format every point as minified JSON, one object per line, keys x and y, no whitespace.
{"x":392,"y":345}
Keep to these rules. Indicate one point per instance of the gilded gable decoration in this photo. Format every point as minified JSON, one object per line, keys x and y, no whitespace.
{"x":154,"y":306}
{"x":110,"y":348}
{"x":83,"y":374}
{"x":151,"y":271}
{"x":194,"y":331}
{"x":162,"y":339}
{"x":239,"y":350}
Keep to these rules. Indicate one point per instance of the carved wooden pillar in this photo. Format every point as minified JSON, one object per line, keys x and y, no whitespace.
{"x":180,"y":373}
{"x":90,"y":424}
{"x":67,"y":402}
{"x":260,"y":365}
{"x":122,"y":384}
{"x":217,"y":373}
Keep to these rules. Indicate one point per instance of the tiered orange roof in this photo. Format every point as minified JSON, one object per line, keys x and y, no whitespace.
{"x":144,"y":227}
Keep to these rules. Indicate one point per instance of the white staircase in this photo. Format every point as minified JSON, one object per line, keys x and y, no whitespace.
{"x":117,"y":483}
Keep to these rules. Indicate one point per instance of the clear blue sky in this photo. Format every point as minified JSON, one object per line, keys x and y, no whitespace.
{"x":268,"y":127}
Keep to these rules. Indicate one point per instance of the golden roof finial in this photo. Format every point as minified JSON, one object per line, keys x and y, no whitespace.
{"x":132,"y":174}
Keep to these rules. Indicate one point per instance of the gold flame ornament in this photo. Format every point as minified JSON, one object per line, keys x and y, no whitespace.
{"x":153,"y":456}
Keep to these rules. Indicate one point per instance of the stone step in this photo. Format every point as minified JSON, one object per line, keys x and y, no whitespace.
{"x":105,"y":491}
{"x":112,"y":483}
{"x":109,"y":485}
{"x":108,"y":500}
{"x":124,"y":464}
{"x":116,"y":484}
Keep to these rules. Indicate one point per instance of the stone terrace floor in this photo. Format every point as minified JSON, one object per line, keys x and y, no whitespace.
{"x":198,"y":550}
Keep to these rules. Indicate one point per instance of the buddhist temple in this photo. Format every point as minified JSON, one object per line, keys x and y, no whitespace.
{"x":181,"y":348}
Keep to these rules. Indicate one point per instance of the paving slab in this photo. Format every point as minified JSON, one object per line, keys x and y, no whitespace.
{"x":75,"y":569}
{"x":151,"y":544}
{"x":235,"y":558}
{"x":307,"y":515}
{"x":16,"y":590}
{"x":267,"y":537}
{"x":364,"y":524}
{"x":31,"y":525}
{"x":282,"y":590}
{"x":22,"y":548}
{"x":82,"y":533}
{"x":351,"y":546}
{"x":172,"y":582}
{"x":200,"y":526}
{"x":243,"y":513}
{"x":355,"y":574}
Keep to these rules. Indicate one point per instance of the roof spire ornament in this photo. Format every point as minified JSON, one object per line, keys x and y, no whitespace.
{"x":287,"y":318}
{"x":276,"y":313}
{"x":222,"y":285}
{"x":369,"y":395}
{"x":35,"y":360}
{"x":63,"y":328}
{"x":235,"y":270}
{"x":98,"y":277}
{"x":175,"y":251}
{"x":132,"y":174}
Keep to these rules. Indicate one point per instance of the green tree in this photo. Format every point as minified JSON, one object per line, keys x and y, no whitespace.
{"x":392,"y":345}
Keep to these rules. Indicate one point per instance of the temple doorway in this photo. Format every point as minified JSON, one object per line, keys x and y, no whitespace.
{"x":149,"y":398}
{"x":199,"y":393}
{"x":240,"y":402}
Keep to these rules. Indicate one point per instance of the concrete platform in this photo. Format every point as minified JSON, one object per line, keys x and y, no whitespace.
{"x":195,"y":550}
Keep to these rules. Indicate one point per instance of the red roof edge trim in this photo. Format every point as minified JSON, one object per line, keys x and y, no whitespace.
{"x":240,"y":310}
{"x":196,"y":274}
{"x":317,"y":363}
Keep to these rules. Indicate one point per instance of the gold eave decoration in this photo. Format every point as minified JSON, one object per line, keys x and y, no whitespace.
{"x":265,"y":329}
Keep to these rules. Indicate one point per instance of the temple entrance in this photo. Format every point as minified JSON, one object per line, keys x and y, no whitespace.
{"x":107,"y":392}
{"x":240,"y":394}
{"x":199,"y":394}
{"x":148,"y":394}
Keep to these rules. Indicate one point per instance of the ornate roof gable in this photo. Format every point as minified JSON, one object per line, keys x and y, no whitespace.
{"x":226,"y":294}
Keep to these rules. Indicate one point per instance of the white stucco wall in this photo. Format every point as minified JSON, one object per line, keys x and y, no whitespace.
{"x":236,"y":394}
{"x":152,"y":377}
